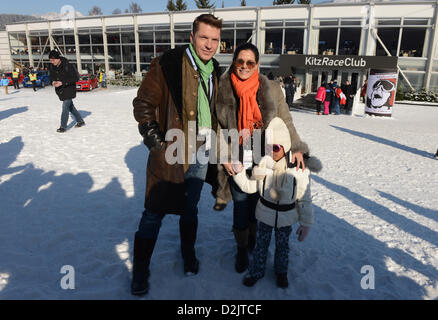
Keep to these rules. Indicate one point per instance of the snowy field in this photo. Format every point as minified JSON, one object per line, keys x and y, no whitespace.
{"x":75,"y":199}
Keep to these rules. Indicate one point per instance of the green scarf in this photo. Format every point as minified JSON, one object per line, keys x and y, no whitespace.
{"x":205,"y":70}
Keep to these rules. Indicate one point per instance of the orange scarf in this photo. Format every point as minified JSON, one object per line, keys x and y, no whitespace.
{"x":249,"y":116}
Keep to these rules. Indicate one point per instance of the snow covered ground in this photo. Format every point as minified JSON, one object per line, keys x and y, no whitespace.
{"x":75,"y":199}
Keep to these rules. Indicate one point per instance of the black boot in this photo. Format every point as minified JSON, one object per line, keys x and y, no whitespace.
{"x":241,"y":237}
{"x":249,"y":280}
{"x":187,"y":233}
{"x":282,"y":281}
{"x":143,"y":249}
{"x":252,"y":235}
{"x":241,"y":260}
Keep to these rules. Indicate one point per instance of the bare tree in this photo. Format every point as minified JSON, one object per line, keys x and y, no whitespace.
{"x":117,"y":11}
{"x":134,"y":7}
{"x":304,"y":1}
{"x":204,"y":4}
{"x":95,"y":11}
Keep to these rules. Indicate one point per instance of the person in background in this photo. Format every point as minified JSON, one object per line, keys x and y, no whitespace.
{"x":328,"y":98}
{"x":4,"y":83}
{"x":64,"y":76}
{"x":15,"y":77}
{"x":338,"y":93}
{"x":33,"y":79}
{"x":363,"y":92}
{"x":290,"y":91}
{"x":348,"y":90}
{"x":102,"y":79}
{"x":320,"y":97}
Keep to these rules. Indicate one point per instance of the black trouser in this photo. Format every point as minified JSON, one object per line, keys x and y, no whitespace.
{"x":318,"y":106}
{"x":34,"y":85}
{"x":16,"y":84}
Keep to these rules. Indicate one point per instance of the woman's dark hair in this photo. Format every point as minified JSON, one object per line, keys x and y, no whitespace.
{"x":247,"y":46}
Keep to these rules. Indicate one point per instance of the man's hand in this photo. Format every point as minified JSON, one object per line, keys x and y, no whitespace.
{"x":298,"y":158}
{"x":152,"y":135}
{"x":57,"y":84}
{"x":302,"y":233}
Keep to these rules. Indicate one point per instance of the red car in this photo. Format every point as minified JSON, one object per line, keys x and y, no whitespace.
{"x":87,"y":82}
{"x":9,"y":76}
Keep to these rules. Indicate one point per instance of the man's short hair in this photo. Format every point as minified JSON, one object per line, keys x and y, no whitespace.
{"x":207,"y":19}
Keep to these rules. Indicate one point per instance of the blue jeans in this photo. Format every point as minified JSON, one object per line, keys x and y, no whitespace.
{"x":194,"y":178}
{"x":337,"y":107}
{"x":67,"y":107}
{"x":244,"y":206}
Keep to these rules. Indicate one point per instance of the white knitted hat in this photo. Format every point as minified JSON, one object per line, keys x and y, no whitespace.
{"x":278,"y":133}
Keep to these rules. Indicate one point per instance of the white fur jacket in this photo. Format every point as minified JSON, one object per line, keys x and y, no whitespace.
{"x":280,"y":184}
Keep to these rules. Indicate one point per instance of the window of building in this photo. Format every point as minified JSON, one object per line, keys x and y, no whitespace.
{"x":339,"y":36}
{"x":406,"y":31}
{"x":412,"y":42}
{"x":293,"y":41}
{"x":284,"y":36}
{"x":182,"y":33}
{"x":349,"y":41}
{"x":234,"y":34}
{"x":389,"y":37}
{"x":327,"y":41}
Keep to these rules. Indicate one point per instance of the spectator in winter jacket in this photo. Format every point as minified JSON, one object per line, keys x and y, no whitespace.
{"x":4,"y":83}
{"x":328,"y":99}
{"x":285,"y":199}
{"x":179,"y":91}
{"x":348,"y":90}
{"x":363,"y":92}
{"x":64,"y":76}
{"x":337,"y":99}
{"x":320,"y":98}
{"x":290,"y":88}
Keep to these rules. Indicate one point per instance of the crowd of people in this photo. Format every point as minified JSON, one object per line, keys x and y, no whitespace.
{"x":334,"y":99}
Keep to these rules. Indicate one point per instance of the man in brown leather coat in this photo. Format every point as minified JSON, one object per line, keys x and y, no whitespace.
{"x":179,"y":90}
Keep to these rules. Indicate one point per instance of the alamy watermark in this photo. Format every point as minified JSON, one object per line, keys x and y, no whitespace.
{"x":368,"y":280}
{"x":227,"y":151}
{"x":68,"y":281}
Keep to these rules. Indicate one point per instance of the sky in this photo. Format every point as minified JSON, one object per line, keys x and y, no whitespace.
{"x":107,"y":6}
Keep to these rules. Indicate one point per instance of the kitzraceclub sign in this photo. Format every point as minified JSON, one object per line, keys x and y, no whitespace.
{"x":336,"y":62}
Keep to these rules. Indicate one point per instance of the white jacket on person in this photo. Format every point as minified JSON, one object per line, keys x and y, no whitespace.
{"x":278,"y":183}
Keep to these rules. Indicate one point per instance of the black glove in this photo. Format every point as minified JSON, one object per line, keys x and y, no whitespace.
{"x":152,"y":135}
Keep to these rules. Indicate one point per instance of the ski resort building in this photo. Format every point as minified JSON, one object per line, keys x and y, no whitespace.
{"x":291,"y":39}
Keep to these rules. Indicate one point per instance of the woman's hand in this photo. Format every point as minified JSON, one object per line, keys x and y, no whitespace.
{"x":229,"y":169}
{"x":302,"y":233}
{"x":298,"y":158}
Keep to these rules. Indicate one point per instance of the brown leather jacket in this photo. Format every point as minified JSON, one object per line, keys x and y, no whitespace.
{"x":168,"y":95}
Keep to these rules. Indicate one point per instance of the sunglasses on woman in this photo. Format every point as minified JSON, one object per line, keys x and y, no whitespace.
{"x":277,"y":147}
{"x":240,"y":63}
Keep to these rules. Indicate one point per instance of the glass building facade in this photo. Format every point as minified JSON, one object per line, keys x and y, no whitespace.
{"x":127,"y":48}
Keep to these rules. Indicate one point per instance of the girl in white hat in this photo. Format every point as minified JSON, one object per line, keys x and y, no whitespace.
{"x":285,"y":199}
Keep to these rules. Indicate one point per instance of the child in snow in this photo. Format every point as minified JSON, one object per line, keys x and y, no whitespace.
{"x":285,"y":198}
{"x":4,"y":82}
